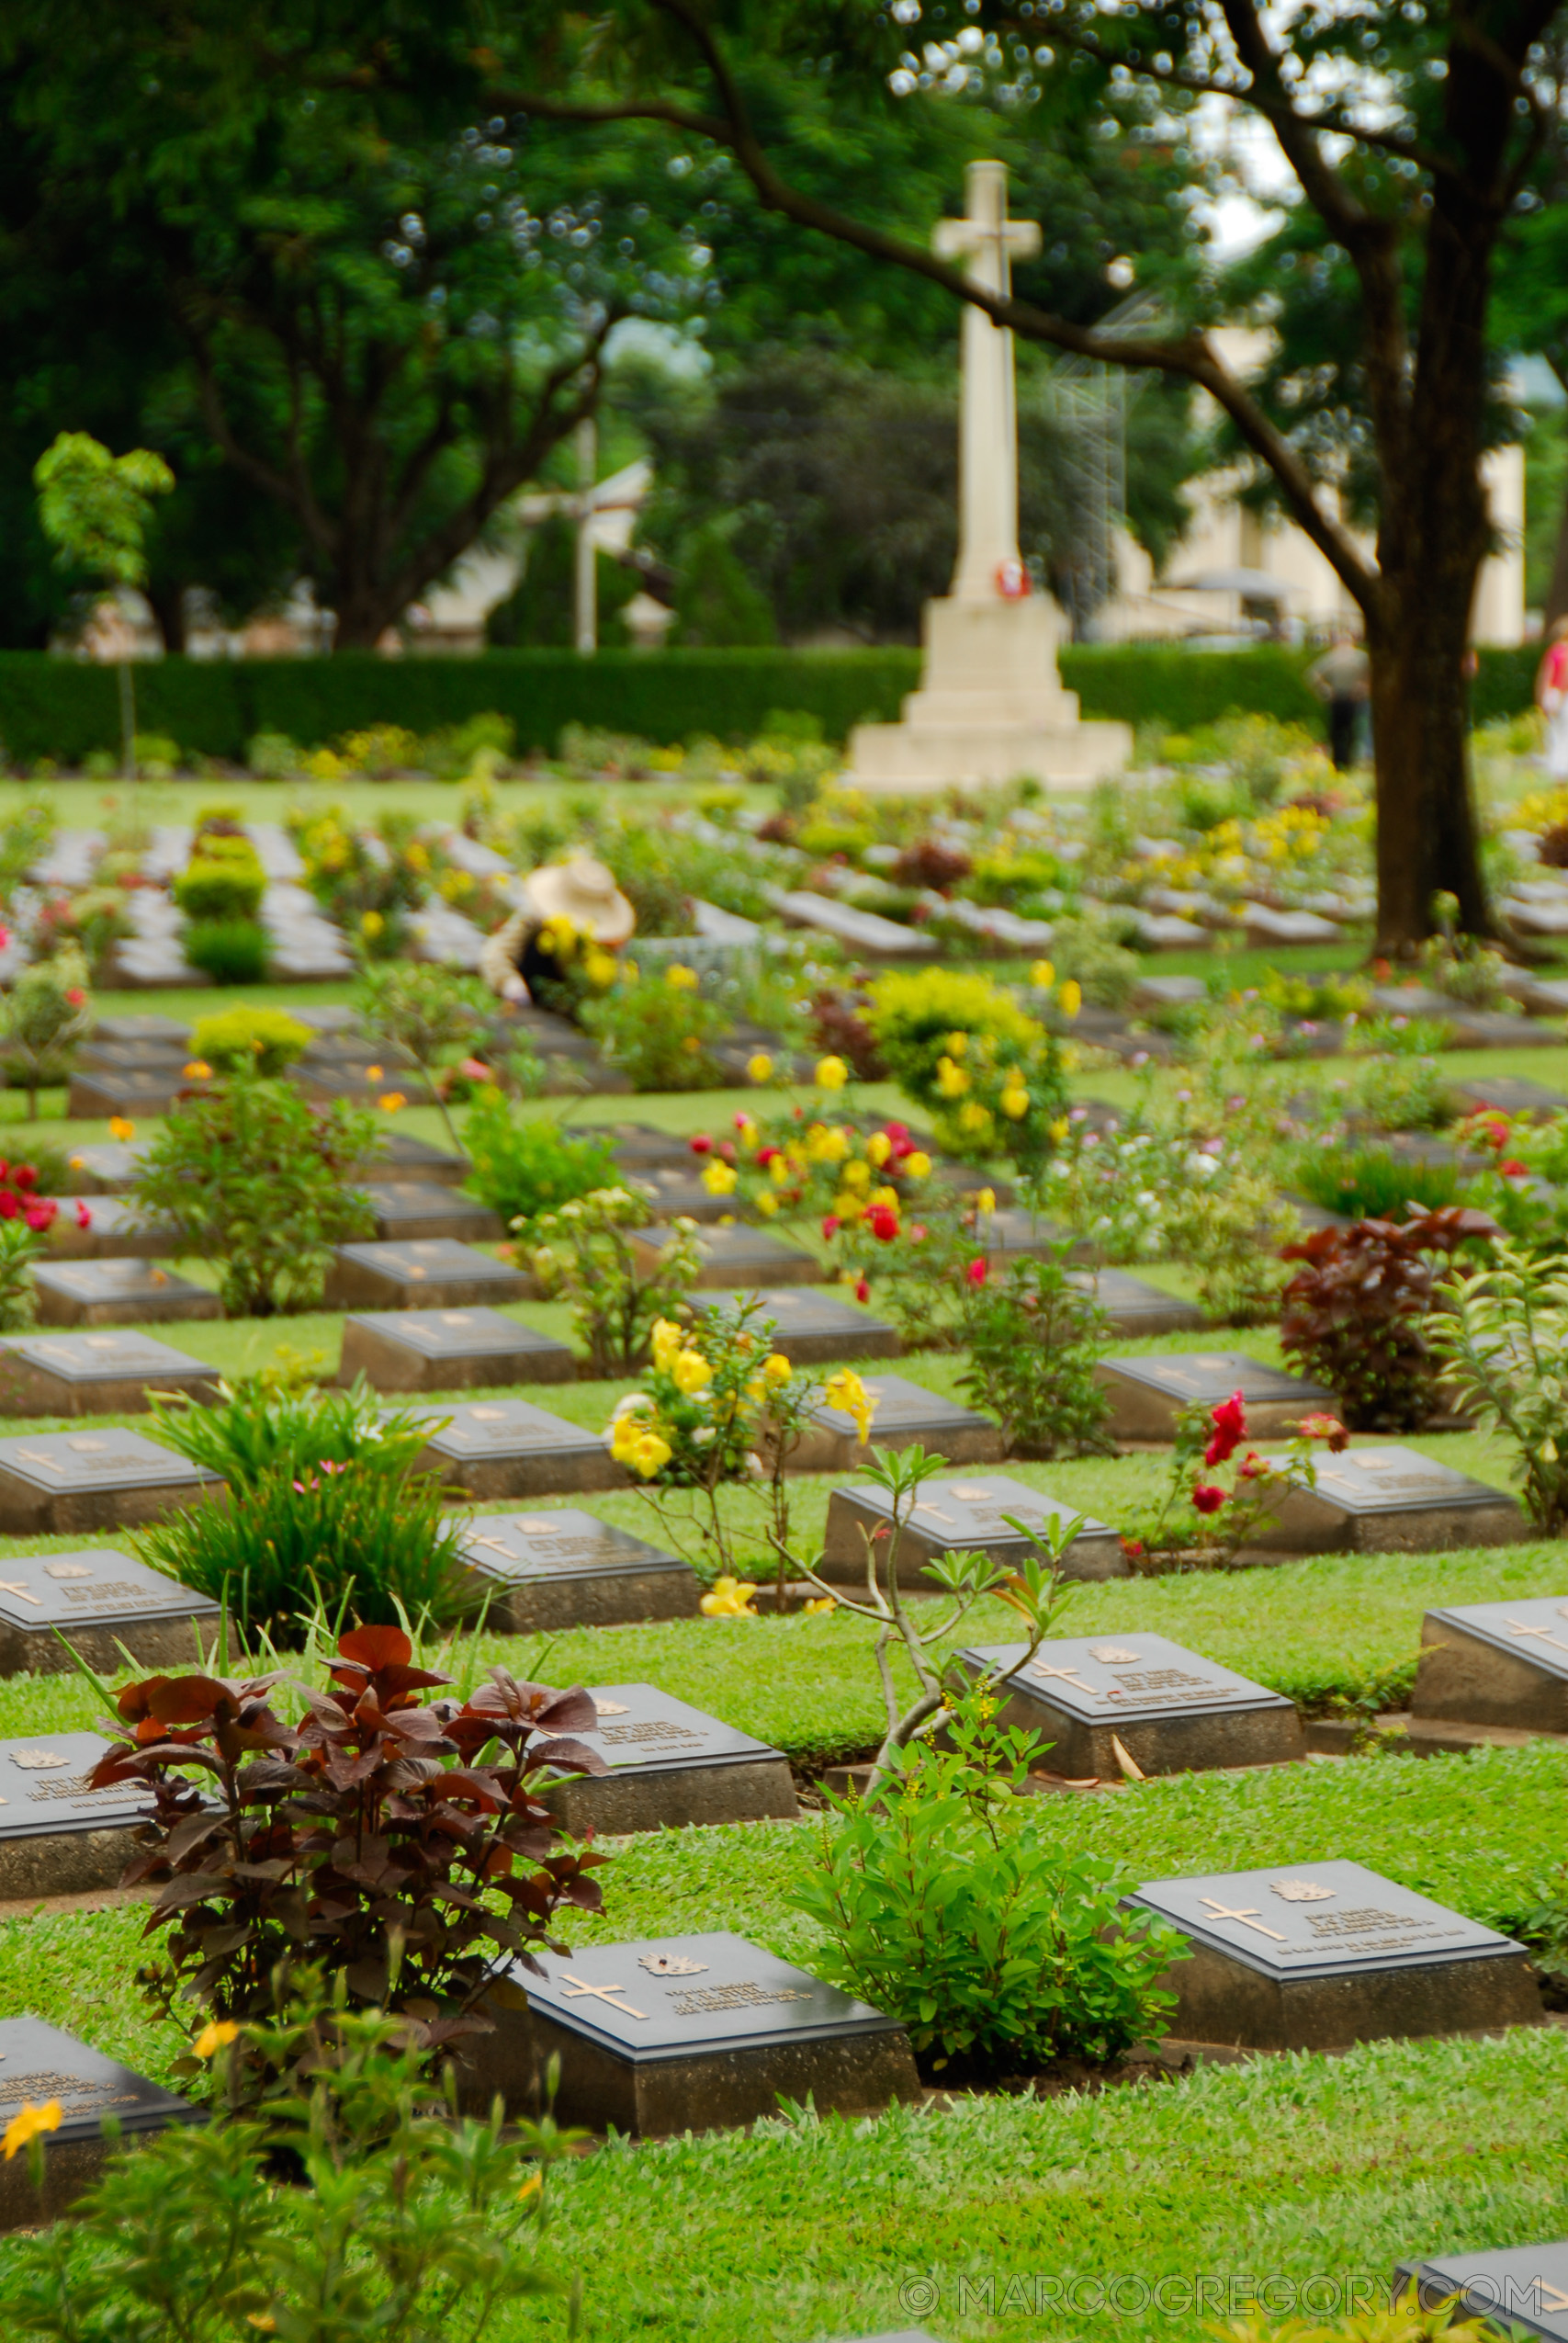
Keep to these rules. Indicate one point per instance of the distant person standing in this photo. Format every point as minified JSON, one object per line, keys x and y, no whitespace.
{"x":1551,"y":698}
{"x":1342,"y":677}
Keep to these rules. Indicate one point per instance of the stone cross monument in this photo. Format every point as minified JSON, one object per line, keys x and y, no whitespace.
{"x":991,"y":706}
{"x":987,"y":431}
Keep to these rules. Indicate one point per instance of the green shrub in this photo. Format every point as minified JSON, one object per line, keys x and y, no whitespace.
{"x":1085,"y":945}
{"x":259,"y":1184}
{"x":396,"y":2220}
{"x":1031,"y":1341}
{"x":1371,"y":1182}
{"x":1401,"y":1093}
{"x":272,"y":756}
{"x":47,"y":1010}
{"x":19,"y":1248}
{"x":223,"y":880}
{"x":658,"y":1031}
{"x":229,"y":951}
{"x":948,"y":1904}
{"x":259,"y":1426}
{"x":249,"y":1040}
{"x":961,"y":1047}
{"x":359,"y":1539}
{"x":525,"y":1166}
{"x":585,"y":1256}
{"x":1505,"y":1341}
{"x":484,"y":741}
{"x":425,"y":1019}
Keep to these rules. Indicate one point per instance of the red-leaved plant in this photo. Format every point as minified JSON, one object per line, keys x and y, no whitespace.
{"x":400,"y":1842}
{"x":1354,"y":1315}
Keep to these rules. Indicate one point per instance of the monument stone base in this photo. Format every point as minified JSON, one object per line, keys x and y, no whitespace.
{"x":991,"y":707}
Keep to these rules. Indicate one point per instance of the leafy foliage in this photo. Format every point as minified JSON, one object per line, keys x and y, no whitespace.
{"x":251,"y":1039}
{"x":528,"y":1166}
{"x":399,"y":1839}
{"x":21,"y":1246}
{"x":1505,"y":1337}
{"x":1032,"y":1339}
{"x":949,"y":1904}
{"x":959,"y":1046}
{"x":1357,"y":1314}
{"x":260,"y":1183}
{"x":223,"y":881}
{"x":46,"y":1010}
{"x":426,"y":1018}
{"x":587,"y":1256}
{"x":404,"y":2222}
{"x":658,"y":1031}
{"x":230,"y":951}
{"x":1372,"y":1183}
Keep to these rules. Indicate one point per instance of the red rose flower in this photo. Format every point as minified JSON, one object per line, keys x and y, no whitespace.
{"x":978,"y":1270}
{"x":1513,"y":1169}
{"x":765,"y":1156}
{"x":40,"y":1214}
{"x":9,"y":1207}
{"x":1207,"y":1497}
{"x":700,"y":1143}
{"x":863,"y":1290}
{"x":84,"y":1217}
{"x":1131,"y":1547}
{"x":830,"y":1226}
{"x":883,"y":1222}
{"x":1229,"y":1420}
{"x":24,"y":1177}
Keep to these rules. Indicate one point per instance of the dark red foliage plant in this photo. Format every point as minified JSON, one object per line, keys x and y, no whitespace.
{"x":1354,"y":1314}
{"x":839,"y":1024}
{"x":398,"y":1843}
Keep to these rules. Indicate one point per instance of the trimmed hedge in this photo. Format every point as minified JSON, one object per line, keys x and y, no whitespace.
{"x":64,"y":707}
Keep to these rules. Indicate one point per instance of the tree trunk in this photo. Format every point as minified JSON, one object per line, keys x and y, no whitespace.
{"x":1426,"y":831}
{"x":1557,"y":592}
{"x":167,"y":603}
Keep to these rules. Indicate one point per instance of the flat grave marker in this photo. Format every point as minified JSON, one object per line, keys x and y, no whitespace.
{"x":733,"y":1256}
{"x":1316,"y":1956}
{"x":567,"y":1569}
{"x":115,"y":1229}
{"x":146,"y":1026}
{"x":1148,"y":1394}
{"x":1014,"y":1233}
{"x":814,"y":1329}
{"x":1499,"y":1664}
{"x":163,"y":1056}
{"x":1172,"y":1710}
{"x":98,"y":1599}
{"x":93,"y":1374}
{"x":670,"y":1766}
{"x":675,"y":1190}
{"x":39,"y":2063}
{"x":1391,"y":1500}
{"x":905,"y":1413}
{"x":697,"y":2034}
{"x":641,"y":1146}
{"x":60,"y":1481}
{"x":402,"y":1157}
{"x":106,"y":1167}
{"x":135,"y":1089}
{"x":118,"y":1293}
{"x":57,"y":1836}
{"x":1508,"y":1093}
{"x":510,"y":1448}
{"x":435,"y":1272}
{"x":449,"y":1351}
{"x":427,"y":1208}
{"x":1509,"y":2287}
{"x":1135,"y":1307}
{"x":966,"y":1515}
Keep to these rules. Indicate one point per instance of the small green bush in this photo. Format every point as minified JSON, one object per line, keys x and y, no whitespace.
{"x":959,"y":1046}
{"x":249,"y":1040}
{"x":223,"y":880}
{"x":229,"y":951}
{"x":1372,"y":1183}
{"x":260,"y":1183}
{"x":1033,"y":1339}
{"x":524,"y":1168}
{"x":948,"y":1904}
{"x":19,"y":1248}
{"x":658,"y":1031}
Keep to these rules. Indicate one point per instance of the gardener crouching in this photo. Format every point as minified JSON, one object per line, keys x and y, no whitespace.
{"x":567,"y":906}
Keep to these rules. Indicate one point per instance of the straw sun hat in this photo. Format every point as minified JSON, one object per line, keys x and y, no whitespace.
{"x":584,"y":892}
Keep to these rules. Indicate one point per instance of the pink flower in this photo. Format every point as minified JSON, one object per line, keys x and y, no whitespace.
{"x":700,"y":1143}
{"x":1513,"y":1169}
{"x":1252,"y":1466}
{"x":1131,"y":1547}
{"x":40,"y":1215}
{"x":830,"y":1226}
{"x":919,"y":1232}
{"x":1206,"y":1498}
{"x":978,"y":1270}
{"x":475,"y":1070}
{"x":74,"y":993}
{"x":863,"y":1290}
{"x":84,"y":1217}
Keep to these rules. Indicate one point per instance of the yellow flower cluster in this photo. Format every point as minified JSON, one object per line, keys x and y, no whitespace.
{"x":635,"y":1443}
{"x":729,"y":1599}
{"x":680,"y":979}
{"x":26,"y":2127}
{"x":845,"y":1391}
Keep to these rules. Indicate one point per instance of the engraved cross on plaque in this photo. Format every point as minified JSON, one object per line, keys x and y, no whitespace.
{"x":1543,"y":1634}
{"x":575,"y":1989}
{"x":1249,"y":1918}
{"x":23,"y":1594}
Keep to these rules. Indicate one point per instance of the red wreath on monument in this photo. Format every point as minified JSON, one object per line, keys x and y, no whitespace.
{"x":1013,"y":579}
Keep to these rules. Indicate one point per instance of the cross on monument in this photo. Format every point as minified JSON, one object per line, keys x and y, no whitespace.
{"x":1544,"y":1634}
{"x":1248,"y":1918}
{"x":987,"y":242}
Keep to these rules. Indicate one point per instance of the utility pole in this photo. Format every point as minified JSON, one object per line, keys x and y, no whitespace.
{"x":586,"y":628}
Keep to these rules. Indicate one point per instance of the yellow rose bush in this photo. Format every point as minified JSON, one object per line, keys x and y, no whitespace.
{"x":959,"y":1046}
